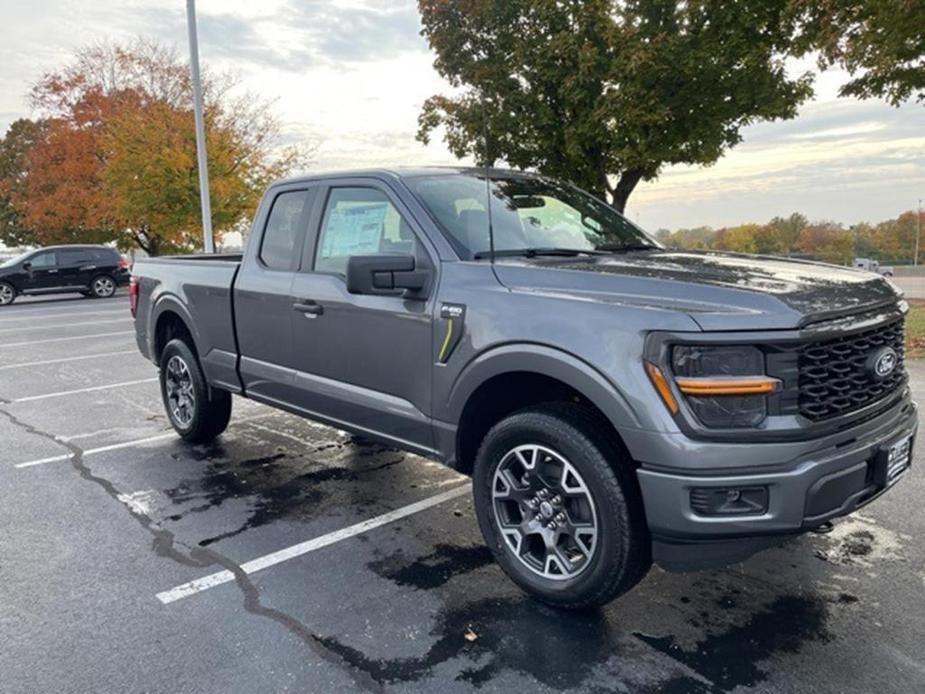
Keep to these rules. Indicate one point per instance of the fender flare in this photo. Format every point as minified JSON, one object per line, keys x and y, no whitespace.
{"x":547,"y":361}
{"x":170,"y":303}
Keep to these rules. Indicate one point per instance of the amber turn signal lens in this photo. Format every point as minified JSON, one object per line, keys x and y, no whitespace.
{"x":752,"y":385}
{"x":661,"y":385}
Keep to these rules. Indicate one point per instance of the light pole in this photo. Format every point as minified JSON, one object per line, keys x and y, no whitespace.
{"x":918,"y":232}
{"x":208,"y":240}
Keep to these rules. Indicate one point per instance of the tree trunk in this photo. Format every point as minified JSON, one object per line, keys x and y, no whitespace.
{"x":148,"y":243}
{"x":625,"y":186}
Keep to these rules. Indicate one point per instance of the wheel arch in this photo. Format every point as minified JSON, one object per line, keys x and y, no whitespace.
{"x":512,"y":377}
{"x":170,"y":319}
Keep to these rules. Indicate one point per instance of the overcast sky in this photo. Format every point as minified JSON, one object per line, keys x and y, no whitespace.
{"x":351,"y":75}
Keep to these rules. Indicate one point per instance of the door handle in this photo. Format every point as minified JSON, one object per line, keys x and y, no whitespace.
{"x":51,"y":272}
{"x":88,"y":267}
{"x":309,"y":308}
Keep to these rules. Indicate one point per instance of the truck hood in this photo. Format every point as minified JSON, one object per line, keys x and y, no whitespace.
{"x":718,"y":291}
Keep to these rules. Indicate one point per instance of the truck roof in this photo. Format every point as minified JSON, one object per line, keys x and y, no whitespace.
{"x":401,"y":172}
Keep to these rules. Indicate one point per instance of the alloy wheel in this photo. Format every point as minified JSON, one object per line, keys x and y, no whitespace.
{"x":104,"y":286}
{"x":545,"y":512}
{"x":6,"y":294}
{"x":181,"y":398}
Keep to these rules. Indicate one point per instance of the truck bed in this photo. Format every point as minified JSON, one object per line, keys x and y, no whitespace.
{"x":198,"y":288}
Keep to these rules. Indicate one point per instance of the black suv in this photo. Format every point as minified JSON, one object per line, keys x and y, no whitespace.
{"x":91,"y":270}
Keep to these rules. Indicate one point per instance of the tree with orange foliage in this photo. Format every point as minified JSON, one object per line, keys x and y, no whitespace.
{"x":118,"y":160}
{"x":827,"y":241}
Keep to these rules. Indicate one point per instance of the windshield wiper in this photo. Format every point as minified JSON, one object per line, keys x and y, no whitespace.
{"x":625,"y":247}
{"x":533,"y":252}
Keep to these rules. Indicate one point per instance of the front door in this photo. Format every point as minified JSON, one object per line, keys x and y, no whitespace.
{"x":364,"y":361}
{"x":42,"y":272}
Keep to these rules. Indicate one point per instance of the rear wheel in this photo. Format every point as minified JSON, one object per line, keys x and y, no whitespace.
{"x":7,"y":293}
{"x":102,"y":287}
{"x":559,"y":507}
{"x":196,"y":412}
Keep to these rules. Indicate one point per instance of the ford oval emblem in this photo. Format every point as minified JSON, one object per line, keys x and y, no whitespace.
{"x":882,"y":363}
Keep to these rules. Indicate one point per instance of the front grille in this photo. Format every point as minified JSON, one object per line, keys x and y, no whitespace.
{"x":834,"y":377}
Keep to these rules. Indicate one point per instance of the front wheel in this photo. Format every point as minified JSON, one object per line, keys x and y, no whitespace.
{"x":198,"y":414}
{"x":558,"y":505}
{"x":7,"y":293}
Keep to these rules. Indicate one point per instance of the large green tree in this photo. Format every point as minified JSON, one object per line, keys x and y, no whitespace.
{"x":881,"y":43}
{"x":14,"y":146}
{"x":604,"y":93}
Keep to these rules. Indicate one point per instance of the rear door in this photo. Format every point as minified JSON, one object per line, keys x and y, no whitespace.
{"x":262,"y":303}
{"x":72,"y":264}
{"x":42,"y":272}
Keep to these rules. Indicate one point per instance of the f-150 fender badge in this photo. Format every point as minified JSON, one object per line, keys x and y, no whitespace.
{"x":453,"y":319}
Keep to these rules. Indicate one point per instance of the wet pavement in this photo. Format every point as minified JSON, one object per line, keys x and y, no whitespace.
{"x":335,"y":564}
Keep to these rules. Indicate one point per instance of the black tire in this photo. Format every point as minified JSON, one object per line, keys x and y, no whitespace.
{"x":102,"y":287}
{"x":7,"y":293}
{"x":207,"y":416}
{"x":620,"y":555}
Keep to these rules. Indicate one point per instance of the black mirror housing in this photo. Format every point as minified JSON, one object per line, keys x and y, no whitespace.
{"x":385,"y":274}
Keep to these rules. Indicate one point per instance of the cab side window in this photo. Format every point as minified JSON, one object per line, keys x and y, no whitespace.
{"x":42,"y":260}
{"x":285,"y":228}
{"x":360,"y":221}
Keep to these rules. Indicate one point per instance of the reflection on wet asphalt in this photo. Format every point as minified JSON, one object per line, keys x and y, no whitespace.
{"x":416,"y":605}
{"x":714,"y":631}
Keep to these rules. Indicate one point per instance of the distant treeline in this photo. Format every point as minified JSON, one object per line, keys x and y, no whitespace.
{"x":891,"y":241}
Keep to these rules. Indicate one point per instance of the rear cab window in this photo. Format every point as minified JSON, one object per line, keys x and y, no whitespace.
{"x":285,"y":228}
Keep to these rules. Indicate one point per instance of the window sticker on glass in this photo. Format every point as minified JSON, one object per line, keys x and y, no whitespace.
{"x":358,"y":230}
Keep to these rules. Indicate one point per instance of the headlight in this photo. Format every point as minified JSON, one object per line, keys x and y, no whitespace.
{"x":725,"y":386}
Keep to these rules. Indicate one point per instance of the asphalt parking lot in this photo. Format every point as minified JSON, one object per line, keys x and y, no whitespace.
{"x":290,"y":556}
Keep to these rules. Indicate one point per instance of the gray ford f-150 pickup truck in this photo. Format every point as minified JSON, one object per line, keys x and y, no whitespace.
{"x":615,"y":403}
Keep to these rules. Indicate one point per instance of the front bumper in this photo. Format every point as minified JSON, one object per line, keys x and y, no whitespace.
{"x":808,"y":482}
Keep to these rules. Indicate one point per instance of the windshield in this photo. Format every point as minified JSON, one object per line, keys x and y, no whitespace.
{"x":13,"y":261}
{"x":526,"y":214}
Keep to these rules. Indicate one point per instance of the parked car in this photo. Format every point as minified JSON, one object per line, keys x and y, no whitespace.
{"x":94,"y":271}
{"x":871,"y":265}
{"x":614,"y":402}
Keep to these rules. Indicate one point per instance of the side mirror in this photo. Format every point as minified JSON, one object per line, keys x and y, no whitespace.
{"x":27,"y":266}
{"x":384,"y":274}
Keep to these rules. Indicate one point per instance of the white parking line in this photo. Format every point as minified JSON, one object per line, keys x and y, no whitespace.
{"x":4,"y":320}
{"x":67,"y":339}
{"x":67,"y":359}
{"x":62,"y":393}
{"x":57,"y":326}
{"x":94,"y":451}
{"x":124,"y":444}
{"x":268,"y":560}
